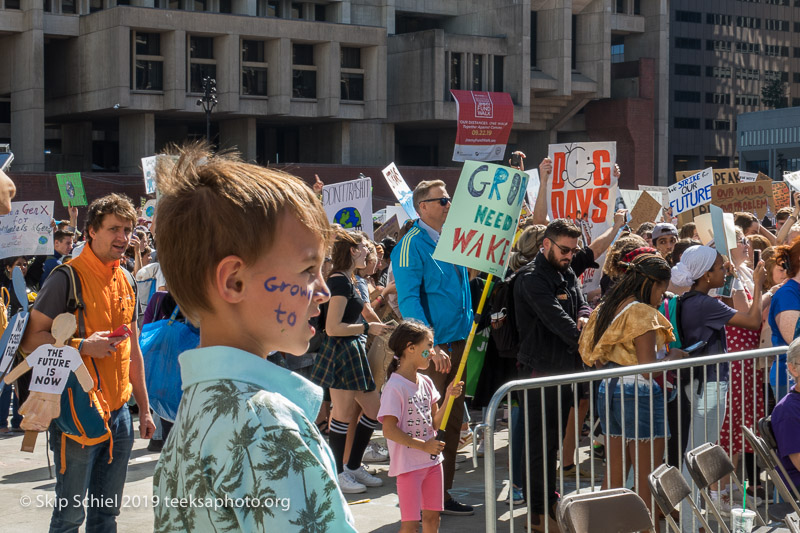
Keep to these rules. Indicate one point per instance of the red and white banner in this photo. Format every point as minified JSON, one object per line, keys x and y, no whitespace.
{"x":484,"y":123}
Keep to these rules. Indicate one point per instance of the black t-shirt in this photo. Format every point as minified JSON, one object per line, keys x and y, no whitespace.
{"x":341,"y":286}
{"x":582,"y":260}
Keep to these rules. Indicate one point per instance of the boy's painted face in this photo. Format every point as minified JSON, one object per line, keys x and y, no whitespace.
{"x":284,"y":290}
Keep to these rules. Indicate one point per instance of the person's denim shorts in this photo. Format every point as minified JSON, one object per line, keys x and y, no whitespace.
{"x":613,"y":427}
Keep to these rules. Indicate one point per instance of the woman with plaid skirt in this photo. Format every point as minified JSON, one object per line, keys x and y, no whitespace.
{"x":342,"y":363}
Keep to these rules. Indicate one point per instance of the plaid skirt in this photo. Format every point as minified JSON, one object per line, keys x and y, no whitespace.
{"x":342,"y":364}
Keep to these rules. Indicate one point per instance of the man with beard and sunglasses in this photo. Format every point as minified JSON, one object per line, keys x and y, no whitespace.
{"x":550,"y":312}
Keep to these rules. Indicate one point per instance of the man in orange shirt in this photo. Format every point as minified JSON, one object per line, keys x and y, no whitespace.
{"x":97,"y":465}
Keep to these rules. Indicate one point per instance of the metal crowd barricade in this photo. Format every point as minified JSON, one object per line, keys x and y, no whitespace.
{"x":691,"y":369}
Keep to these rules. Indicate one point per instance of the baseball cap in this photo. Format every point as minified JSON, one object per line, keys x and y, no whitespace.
{"x":664,"y":228}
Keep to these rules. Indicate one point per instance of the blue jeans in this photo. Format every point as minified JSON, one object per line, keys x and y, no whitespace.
{"x":7,"y":399}
{"x":88,"y":469}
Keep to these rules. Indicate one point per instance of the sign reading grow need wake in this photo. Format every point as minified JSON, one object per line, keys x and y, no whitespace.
{"x":480,"y":226}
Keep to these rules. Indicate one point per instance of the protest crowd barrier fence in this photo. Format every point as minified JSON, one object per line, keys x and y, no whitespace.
{"x":691,"y":367}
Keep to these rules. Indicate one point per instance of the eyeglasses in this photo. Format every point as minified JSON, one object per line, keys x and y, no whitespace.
{"x":443,"y":201}
{"x":565,"y":249}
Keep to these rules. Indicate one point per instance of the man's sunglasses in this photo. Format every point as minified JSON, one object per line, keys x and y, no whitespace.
{"x":443,"y":201}
{"x":565,"y":249}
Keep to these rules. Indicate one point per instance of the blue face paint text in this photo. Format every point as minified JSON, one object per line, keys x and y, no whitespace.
{"x":291,"y":318}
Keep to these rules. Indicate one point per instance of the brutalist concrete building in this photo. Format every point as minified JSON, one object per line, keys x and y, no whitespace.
{"x":98,"y":84}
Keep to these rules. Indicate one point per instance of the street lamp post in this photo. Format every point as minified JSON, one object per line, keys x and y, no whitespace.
{"x":209,"y":102}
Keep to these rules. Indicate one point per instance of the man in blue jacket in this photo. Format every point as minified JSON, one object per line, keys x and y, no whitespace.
{"x":437,"y":294}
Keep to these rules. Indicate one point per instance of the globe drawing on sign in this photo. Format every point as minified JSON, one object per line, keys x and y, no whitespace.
{"x":150,"y":211}
{"x":42,"y":240}
{"x":70,"y":188}
{"x":348,"y":218}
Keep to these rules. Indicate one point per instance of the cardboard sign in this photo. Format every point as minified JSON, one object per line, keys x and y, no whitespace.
{"x":484,"y":124}
{"x":705,"y":227}
{"x":480,"y":228}
{"x":691,"y":192}
{"x":390,"y":228}
{"x":71,"y":188}
{"x":627,"y":199}
{"x":349,"y":204}
{"x":51,"y":367}
{"x":781,"y":195}
{"x":646,"y":209}
{"x":400,"y":189}
{"x":752,"y":197}
{"x":149,"y":172}
{"x":722,"y":176}
{"x":533,"y":187}
{"x":584,"y":189}
{"x":149,"y":210}
{"x":26,"y":230}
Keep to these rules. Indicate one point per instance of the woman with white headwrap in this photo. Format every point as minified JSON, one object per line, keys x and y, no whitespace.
{"x":703,"y":318}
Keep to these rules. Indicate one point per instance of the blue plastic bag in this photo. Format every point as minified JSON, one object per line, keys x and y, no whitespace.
{"x":162,"y":342}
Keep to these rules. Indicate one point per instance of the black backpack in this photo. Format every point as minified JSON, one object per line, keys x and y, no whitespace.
{"x":504,"y":321}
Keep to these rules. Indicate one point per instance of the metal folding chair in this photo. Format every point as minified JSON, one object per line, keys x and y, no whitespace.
{"x":669,"y":489}
{"x":605,"y":511}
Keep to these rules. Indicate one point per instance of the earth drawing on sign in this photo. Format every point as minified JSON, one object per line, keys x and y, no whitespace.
{"x":70,"y":188}
{"x":348,"y":218}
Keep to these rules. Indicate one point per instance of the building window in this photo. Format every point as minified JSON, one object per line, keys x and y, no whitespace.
{"x":497,"y":86}
{"x":254,"y":68}
{"x":718,"y":72}
{"x":797,"y":27}
{"x":619,"y":6}
{"x":199,"y":5}
{"x":617,"y":48}
{"x":747,"y":74}
{"x":687,"y":123}
{"x":795,"y":103}
{"x":687,"y":70}
{"x":147,"y":62}
{"x":352,"y":83}
{"x":320,"y":13}
{"x":718,"y":125}
{"x":686,"y":43}
{"x":746,"y":99}
{"x":776,"y":25}
{"x":775,"y":50}
{"x":477,"y":72}
{"x":455,"y":71}
{"x":534,"y":19}
{"x":297,"y":10}
{"x":718,"y":98}
{"x":94,"y":5}
{"x":687,"y":96}
{"x":777,"y":2}
{"x":267,"y":8}
{"x":225,"y":6}
{"x":304,"y":72}
{"x":68,"y":6}
{"x":718,"y":46}
{"x":719,"y":19}
{"x":747,"y":48}
{"x":772,"y":75}
{"x":796,"y":77}
{"x":748,"y":22}
{"x":5,"y":111}
{"x":688,"y":16}
{"x":201,"y":62}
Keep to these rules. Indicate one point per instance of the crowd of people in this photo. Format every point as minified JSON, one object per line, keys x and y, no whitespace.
{"x":311,"y":337}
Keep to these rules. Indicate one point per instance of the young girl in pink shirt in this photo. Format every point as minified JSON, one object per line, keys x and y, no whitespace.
{"x":409,"y":414}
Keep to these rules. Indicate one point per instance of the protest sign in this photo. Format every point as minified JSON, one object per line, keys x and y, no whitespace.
{"x":748,"y":177}
{"x":149,"y":210}
{"x":781,"y":195}
{"x":792,"y":179}
{"x":400,"y":189}
{"x":390,"y":228}
{"x":722,"y":176}
{"x":484,"y":124}
{"x":753,"y":197}
{"x":533,"y":187}
{"x":480,"y":226}
{"x":71,"y":188}
{"x":397,"y":211}
{"x":26,"y":229}
{"x":12,"y":336}
{"x":724,"y":231}
{"x":349,"y":204}
{"x":149,"y":172}
{"x":691,"y":193}
{"x":627,"y":199}
{"x":584,"y":189}
{"x":646,"y":209}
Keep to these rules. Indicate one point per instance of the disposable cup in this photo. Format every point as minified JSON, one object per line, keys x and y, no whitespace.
{"x":742,"y":520}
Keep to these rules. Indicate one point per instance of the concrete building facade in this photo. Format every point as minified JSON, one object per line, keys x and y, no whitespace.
{"x":98,"y":84}
{"x":769,"y":141}
{"x":723,"y":52}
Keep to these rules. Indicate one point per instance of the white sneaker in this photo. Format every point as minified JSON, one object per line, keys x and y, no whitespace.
{"x":752,"y":500}
{"x":480,"y":448}
{"x":363,"y":477}
{"x":375,"y":454}
{"x":723,"y":504}
{"x":349,"y":485}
